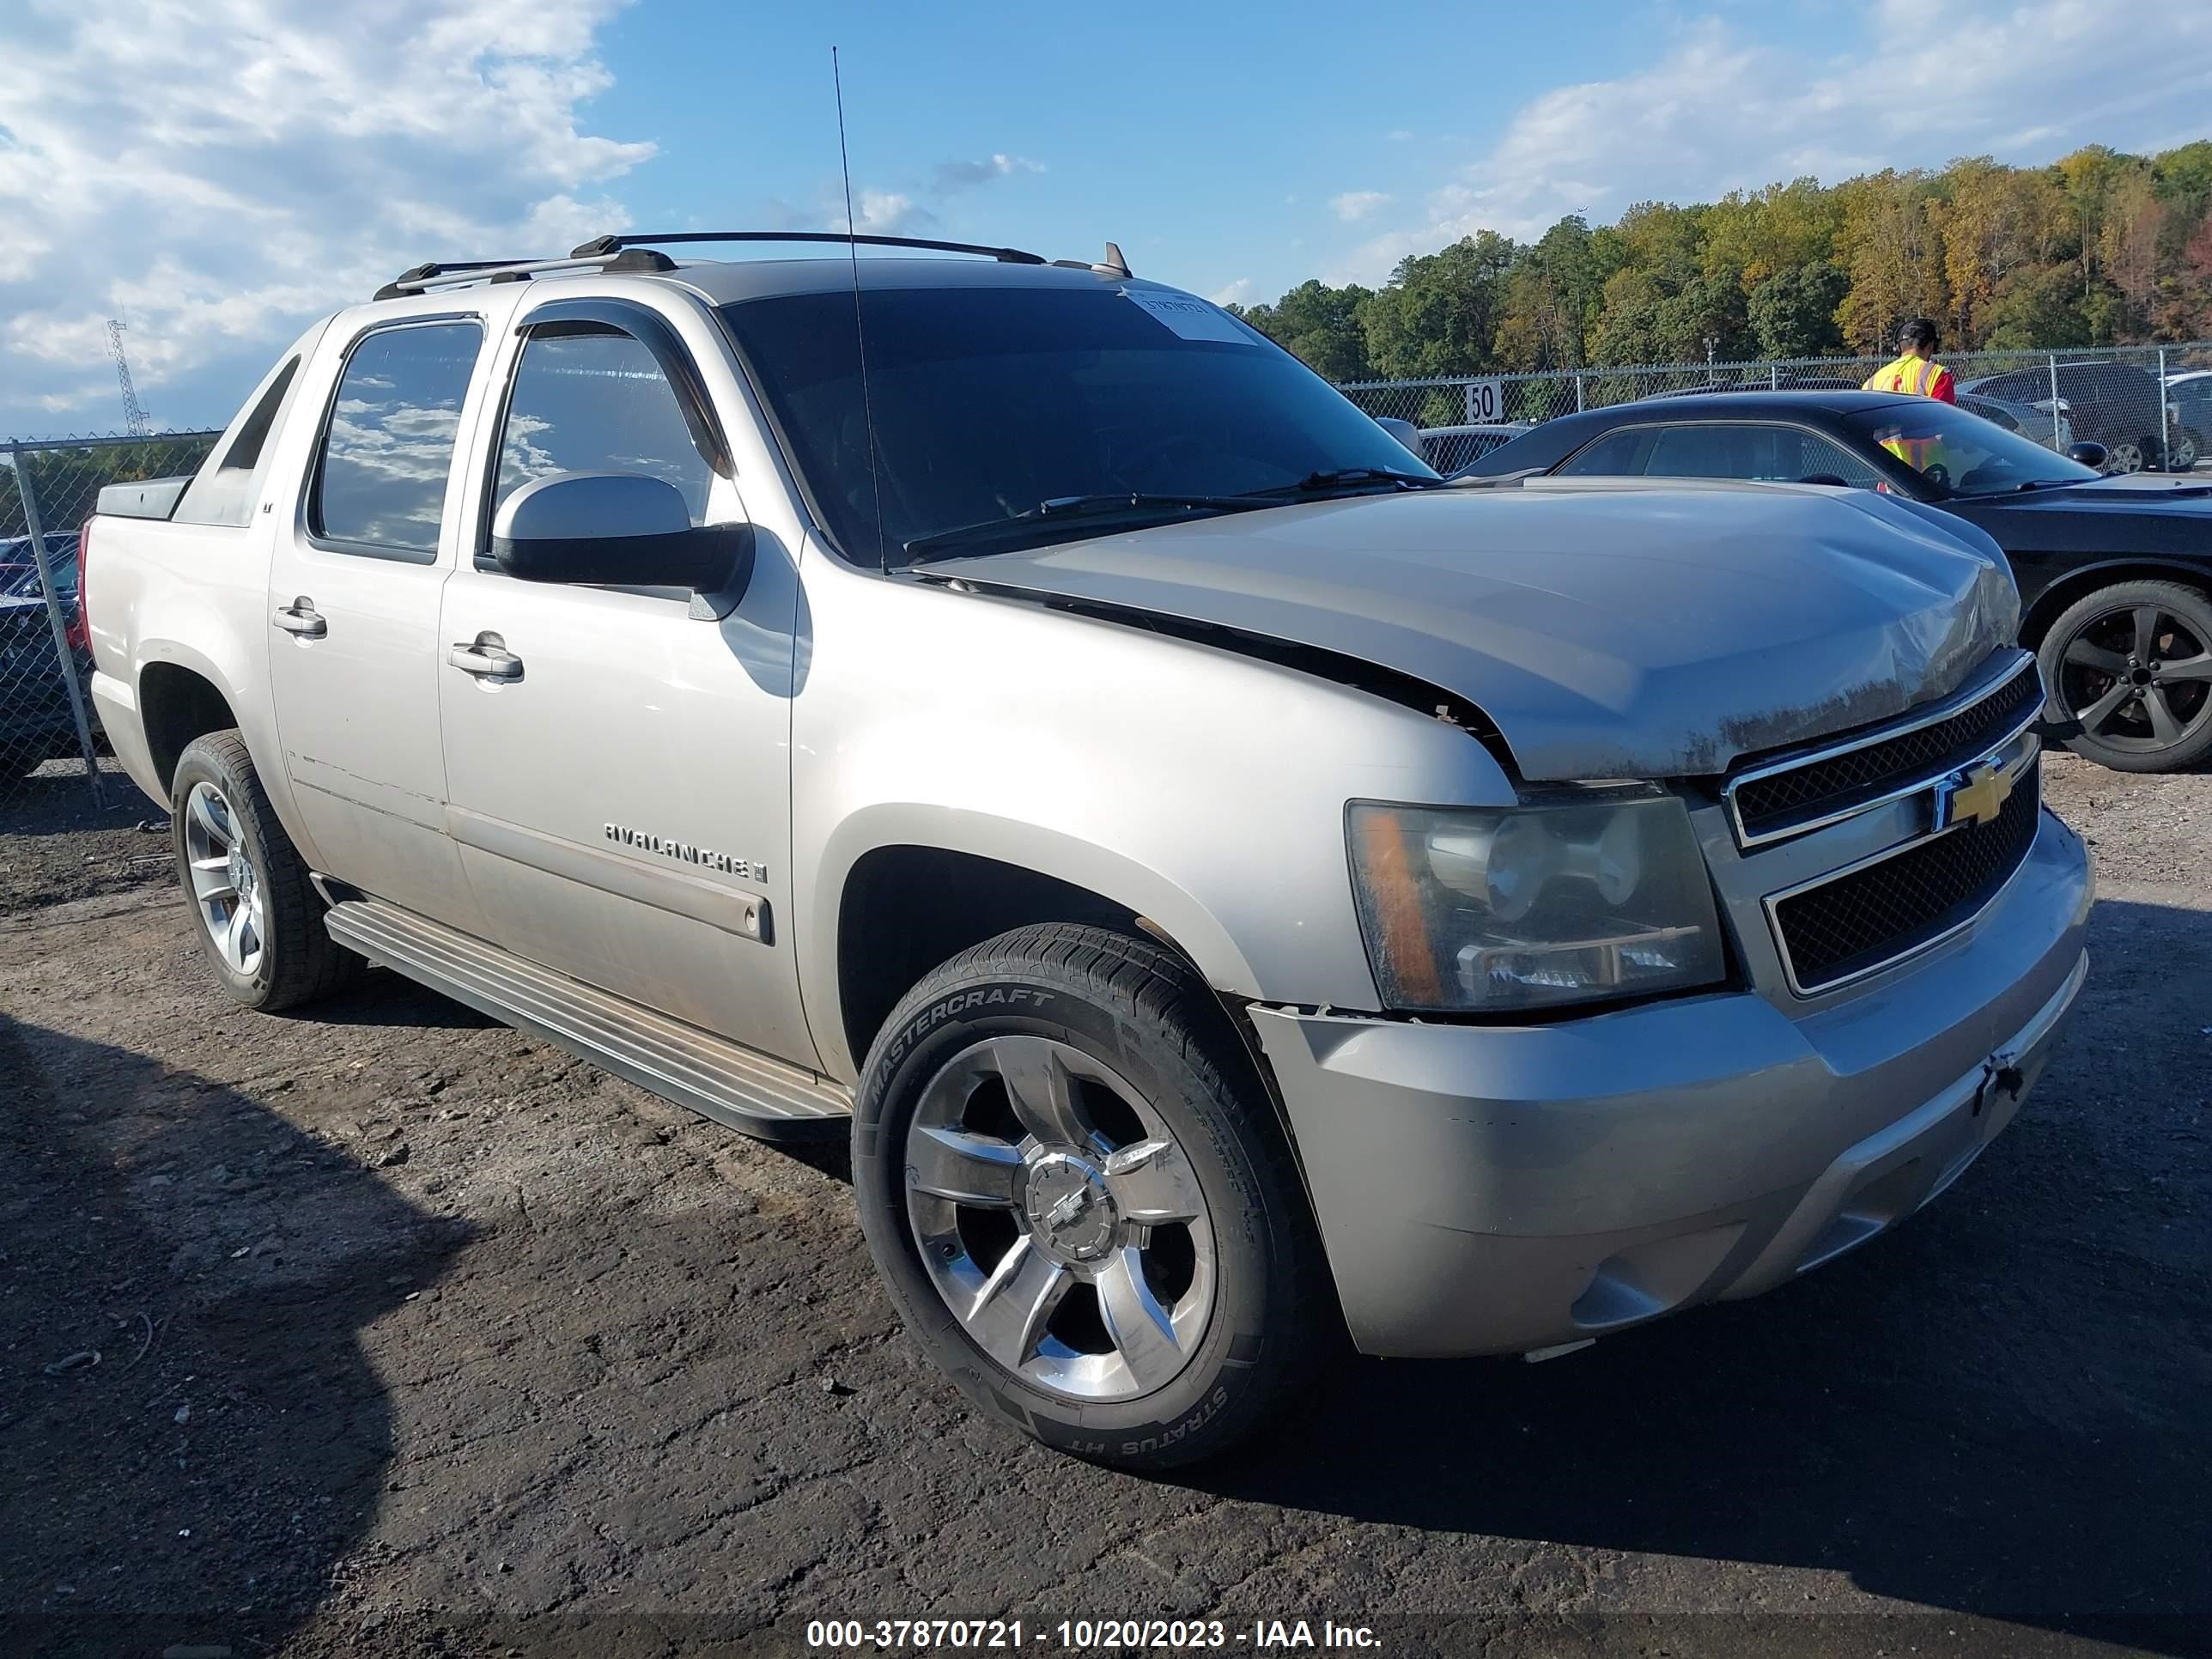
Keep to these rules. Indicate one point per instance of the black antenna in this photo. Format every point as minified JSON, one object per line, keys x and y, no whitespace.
{"x":860,"y":334}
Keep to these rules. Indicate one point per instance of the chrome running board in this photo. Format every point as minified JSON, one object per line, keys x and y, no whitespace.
{"x":713,"y":1076}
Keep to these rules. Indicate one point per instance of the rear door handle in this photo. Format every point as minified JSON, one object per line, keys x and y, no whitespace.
{"x":301,"y":617}
{"x":486,"y":657}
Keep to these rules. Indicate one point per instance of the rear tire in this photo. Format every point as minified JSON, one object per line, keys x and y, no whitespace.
{"x":2132,"y":665}
{"x":1042,"y":1297}
{"x":257,"y":916}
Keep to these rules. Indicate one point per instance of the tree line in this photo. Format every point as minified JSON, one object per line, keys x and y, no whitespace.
{"x":2099,"y":248}
{"x":67,"y":482}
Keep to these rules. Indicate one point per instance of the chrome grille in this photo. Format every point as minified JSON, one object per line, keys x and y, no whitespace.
{"x":1790,"y":796}
{"x":1854,"y":922}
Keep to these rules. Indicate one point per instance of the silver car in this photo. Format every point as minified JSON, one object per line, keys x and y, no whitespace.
{"x":1230,"y":885}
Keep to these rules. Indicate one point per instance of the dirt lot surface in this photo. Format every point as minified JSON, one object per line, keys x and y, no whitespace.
{"x":414,"y":1336}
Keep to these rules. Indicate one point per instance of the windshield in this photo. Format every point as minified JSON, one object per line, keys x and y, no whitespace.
{"x":1963,"y":452}
{"x":989,"y":402}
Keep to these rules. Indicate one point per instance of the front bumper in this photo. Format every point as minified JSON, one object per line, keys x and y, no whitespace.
{"x":1498,"y":1189}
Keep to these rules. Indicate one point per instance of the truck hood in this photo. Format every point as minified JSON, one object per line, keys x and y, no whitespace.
{"x":1611,"y":628}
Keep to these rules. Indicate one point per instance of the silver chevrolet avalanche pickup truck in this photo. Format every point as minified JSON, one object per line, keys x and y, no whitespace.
{"x":1233,"y":887}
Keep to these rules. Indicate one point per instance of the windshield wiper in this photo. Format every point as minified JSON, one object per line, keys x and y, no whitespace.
{"x":1073,"y":506}
{"x":1336,"y":477}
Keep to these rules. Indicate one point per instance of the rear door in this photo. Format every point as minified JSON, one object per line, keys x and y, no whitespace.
{"x":353,"y":610}
{"x":619,"y":757}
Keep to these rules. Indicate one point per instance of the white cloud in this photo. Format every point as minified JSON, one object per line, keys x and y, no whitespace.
{"x":1356,"y":205}
{"x":1720,"y":111}
{"x":1398,"y":136}
{"x":887,"y":213}
{"x":219,"y":171}
{"x":952,"y":177}
{"x":1238,"y":292}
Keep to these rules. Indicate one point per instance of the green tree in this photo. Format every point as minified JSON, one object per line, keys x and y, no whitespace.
{"x":1793,"y":313}
{"x":1439,"y":312}
{"x":1321,"y":325}
{"x":2038,"y":308}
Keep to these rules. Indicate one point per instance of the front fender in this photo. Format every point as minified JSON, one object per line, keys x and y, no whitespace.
{"x":1190,"y":785}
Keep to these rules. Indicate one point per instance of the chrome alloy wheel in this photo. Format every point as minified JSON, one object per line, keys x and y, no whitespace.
{"x":1059,"y":1219}
{"x":226,"y":887}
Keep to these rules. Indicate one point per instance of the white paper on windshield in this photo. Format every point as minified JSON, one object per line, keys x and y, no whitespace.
{"x":1194,"y":319}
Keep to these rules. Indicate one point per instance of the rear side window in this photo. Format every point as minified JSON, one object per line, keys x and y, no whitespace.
{"x":227,"y":487}
{"x":590,"y":399}
{"x":1754,"y":453}
{"x":381,"y":477}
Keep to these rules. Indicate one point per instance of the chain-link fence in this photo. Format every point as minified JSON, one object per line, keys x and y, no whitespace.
{"x":2149,"y":406}
{"x":47,"y":490}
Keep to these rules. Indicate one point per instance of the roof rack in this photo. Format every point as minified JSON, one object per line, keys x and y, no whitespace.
{"x":456,"y":272}
{"x":622,"y":253}
{"x":606,"y":245}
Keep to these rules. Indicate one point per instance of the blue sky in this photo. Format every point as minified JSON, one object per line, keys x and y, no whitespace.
{"x":218,"y":172}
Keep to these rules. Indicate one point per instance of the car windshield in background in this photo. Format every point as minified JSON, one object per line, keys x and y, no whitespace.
{"x":1962,"y":451}
{"x":1007,"y":418}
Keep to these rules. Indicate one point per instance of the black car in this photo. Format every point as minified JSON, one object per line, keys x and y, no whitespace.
{"x":36,"y":721}
{"x":2114,"y":404}
{"x":2115,"y":574}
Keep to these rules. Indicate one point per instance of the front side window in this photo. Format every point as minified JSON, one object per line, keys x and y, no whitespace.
{"x":1963,"y":452}
{"x":380,"y":477}
{"x":588,"y":398}
{"x":1009,"y":412}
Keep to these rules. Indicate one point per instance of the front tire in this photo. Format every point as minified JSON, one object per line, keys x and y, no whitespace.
{"x":1081,"y":1201}
{"x":257,"y":916}
{"x":2131,"y":664}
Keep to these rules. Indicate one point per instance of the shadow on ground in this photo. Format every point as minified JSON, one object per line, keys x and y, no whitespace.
{"x":1998,"y":1410}
{"x":226,"y":1446}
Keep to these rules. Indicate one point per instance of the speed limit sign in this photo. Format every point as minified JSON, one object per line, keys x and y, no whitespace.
{"x":1485,"y":402}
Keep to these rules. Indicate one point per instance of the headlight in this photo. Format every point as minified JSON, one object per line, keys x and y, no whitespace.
{"x":1498,"y":908}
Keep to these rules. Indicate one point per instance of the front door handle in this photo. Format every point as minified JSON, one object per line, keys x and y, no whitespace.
{"x":486,"y":657}
{"x":301,"y":617}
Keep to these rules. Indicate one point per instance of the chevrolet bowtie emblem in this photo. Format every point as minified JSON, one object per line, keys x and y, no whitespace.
{"x":1975,"y":795}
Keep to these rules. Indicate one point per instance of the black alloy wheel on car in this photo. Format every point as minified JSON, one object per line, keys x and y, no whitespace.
{"x":2131,"y":664}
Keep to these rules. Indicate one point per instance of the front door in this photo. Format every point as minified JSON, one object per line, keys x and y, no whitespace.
{"x":619,"y":758}
{"x":352,"y":612}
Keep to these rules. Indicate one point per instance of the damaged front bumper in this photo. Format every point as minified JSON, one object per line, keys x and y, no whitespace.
{"x":1493,"y":1190}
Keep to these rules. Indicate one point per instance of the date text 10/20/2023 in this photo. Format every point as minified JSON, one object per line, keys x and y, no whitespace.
{"x":1079,"y":1634}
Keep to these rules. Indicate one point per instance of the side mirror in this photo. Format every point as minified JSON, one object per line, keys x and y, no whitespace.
{"x":2090,"y":455}
{"x":1404,"y":431}
{"x":619,"y":529}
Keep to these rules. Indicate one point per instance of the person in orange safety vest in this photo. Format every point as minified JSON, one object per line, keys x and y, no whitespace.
{"x":1915,"y":370}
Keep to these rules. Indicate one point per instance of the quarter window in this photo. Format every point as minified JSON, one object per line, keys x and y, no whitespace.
{"x":381,"y":478}
{"x":589,"y":399}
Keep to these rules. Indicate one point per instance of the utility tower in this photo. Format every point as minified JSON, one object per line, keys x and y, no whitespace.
{"x":134,"y":417}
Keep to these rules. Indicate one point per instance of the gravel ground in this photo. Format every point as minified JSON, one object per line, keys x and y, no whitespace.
{"x":416,"y":1336}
